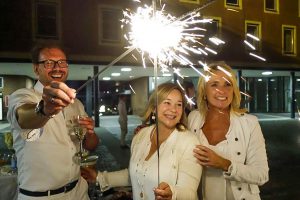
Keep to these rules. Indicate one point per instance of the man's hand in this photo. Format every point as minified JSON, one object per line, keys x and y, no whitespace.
{"x":56,"y":96}
{"x":88,"y":174}
{"x":91,"y":139}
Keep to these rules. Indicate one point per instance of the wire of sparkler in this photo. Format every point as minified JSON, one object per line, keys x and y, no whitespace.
{"x":105,"y":68}
{"x":156,"y":102}
{"x":155,"y":80}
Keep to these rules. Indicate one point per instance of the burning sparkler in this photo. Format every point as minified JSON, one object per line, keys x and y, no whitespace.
{"x":167,"y":38}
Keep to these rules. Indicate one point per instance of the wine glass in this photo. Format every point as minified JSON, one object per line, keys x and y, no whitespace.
{"x":80,"y":132}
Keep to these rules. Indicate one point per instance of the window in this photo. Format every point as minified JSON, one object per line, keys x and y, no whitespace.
{"x":213,"y":28}
{"x":253,"y":35}
{"x":271,"y":6}
{"x":190,"y":1}
{"x":233,"y":3}
{"x":289,"y":40}
{"x":110,"y":25}
{"x":46,"y":18}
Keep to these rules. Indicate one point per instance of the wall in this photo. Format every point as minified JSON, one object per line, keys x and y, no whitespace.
{"x":140,"y":99}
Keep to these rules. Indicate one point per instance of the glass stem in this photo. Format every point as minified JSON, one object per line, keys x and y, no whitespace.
{"x":80,"y":149}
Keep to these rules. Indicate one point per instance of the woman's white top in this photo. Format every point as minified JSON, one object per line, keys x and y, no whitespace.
{"x":177,"y":166}
{"x":245,"y":148}
{"x":212,"y":177}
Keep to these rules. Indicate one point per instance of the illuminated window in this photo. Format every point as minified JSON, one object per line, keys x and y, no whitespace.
{"x":289,"y":40}
{"x":109,"y":27}
{"x":271,"y":6}
{"x":46,"y":19}
{"x":253,"y":35}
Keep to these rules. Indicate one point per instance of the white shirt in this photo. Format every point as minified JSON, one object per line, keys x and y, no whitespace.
{"x":247,"y":153}
{"x":212,"y":177}
{"x":178,"y":167}
{"x":45,"y":155}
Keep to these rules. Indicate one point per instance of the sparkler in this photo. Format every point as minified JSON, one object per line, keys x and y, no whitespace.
{"x":165,"y":37}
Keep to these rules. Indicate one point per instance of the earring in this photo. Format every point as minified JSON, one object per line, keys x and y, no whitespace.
{"x":153,"y":116}
{"x":204,"y":98}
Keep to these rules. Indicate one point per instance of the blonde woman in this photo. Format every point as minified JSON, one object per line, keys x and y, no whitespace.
{"x":179,"y":172}
{"x":233,"y":151}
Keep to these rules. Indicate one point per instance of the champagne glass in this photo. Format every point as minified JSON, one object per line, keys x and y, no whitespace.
{"x":80,"y":132}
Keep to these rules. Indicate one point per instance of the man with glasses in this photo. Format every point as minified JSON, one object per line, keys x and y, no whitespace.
{"x":44,"y":141}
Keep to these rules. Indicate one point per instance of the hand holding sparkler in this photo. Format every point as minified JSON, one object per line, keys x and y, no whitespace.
{"x":163,"y":191}
{"x":56,"y":96}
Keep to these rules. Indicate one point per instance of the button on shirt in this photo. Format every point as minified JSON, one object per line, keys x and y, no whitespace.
{"x":44,"y":155}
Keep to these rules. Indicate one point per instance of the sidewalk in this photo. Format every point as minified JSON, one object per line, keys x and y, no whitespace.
{"x":109,"y":134}
{"x":281,"y":133}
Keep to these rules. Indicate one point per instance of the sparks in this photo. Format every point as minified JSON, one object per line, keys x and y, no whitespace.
{"x":256,"y":56}
{"x":132,"y":89}
{"x":165,"y":37}
{"x":249,"y":45}
{"x":253,"y":37}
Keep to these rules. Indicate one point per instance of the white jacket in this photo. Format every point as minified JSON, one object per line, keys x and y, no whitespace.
{"x":249,"y":166}
{"x":178,"y":167}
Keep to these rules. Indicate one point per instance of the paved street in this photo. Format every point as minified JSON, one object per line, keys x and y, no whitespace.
{"x":282,"y":137}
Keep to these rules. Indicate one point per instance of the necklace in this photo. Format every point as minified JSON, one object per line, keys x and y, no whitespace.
{"x":143,"y":163}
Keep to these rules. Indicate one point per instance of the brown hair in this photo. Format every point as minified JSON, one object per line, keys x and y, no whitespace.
{"x":36,"y":50}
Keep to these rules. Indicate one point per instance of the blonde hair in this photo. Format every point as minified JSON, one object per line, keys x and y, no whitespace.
{"x":162,"y":92}
{"x":236,"y":100}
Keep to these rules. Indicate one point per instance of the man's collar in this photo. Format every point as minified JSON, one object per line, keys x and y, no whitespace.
{"x":39,"y":87}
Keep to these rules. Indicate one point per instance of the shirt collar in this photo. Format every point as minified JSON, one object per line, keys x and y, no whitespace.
{"x":39,"y":87}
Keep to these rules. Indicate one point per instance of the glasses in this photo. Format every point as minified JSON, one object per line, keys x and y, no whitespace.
{"x":50,"y":64}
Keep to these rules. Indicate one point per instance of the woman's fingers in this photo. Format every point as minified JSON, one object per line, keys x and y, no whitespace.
{"x":163,"y":191}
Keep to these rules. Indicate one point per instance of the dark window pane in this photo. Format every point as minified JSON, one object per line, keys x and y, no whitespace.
{"x":232,"y":2}
{"x":253,"y":29}
{"x":288,"y":43}
{"x":111,"y":25}
{"x":212,"y":28}
{"x":47,"y":20}
{"x":270,"y":4}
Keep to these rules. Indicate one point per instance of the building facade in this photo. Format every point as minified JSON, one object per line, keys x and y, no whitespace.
{"x":91,"y":33}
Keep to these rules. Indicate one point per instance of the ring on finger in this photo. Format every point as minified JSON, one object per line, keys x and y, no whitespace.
{"x":52,"y":100}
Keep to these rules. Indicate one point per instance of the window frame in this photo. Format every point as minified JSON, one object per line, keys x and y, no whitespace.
{"x":298,"y":8}
{"x":239,"y":5}
{"x":258,"y":25}
{"x":294,"y":45}
{"x":35,"y":25}
{"x":190,"y":1}
{"x":276,"y":9}
{"x":106,"y":41}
